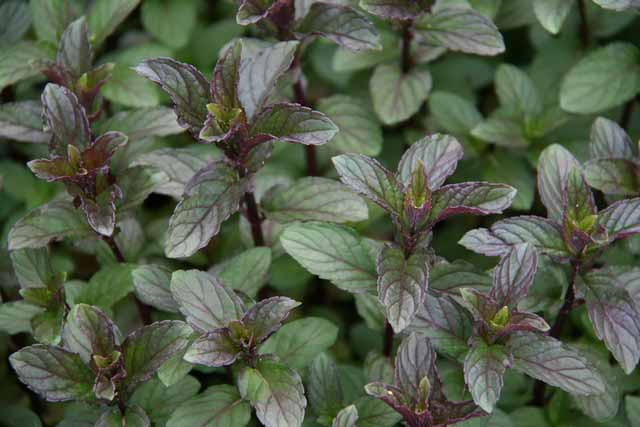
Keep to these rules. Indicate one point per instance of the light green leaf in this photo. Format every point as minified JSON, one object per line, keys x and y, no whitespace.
{"x":248,"y":271}
{"x":15,"y":316}
{"x":106,"y":15}
{"x":152,"y":286}
{"x":51,"y":18}
{"x":515,"y":89}
{"x":217,"y":406}
{"x":454,"y":114}
{"x":21,"y":61}
{"x":552,"y":13}
{"x":159,"y":401}
{"x":22,"y":121}
{"x":108,"y":286}
{"x":347,"y":417}
{"x":170,"y":21}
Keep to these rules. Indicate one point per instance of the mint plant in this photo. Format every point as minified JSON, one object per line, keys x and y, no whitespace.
{"x":319,"y":213}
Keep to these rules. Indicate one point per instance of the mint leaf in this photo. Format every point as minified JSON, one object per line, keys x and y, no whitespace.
{"x":88,"y":331}
{"x":22,"y":121}
{"x":205,"y":302}
{"x":454,"y":113}
{"x":415,"y":360}
{"x":347,"y":417}
{"x":516,"y":90}
{"x":74,"y":50}
{"x":106,"y":15}
{"x":248,"y":271}
{"x":170,"y":21}
{"x":160,"y":401}
{"x":66,"y":118}
{"x":396,"y":9}
{"x":514,"y":275}
{"x":144,"y":123}
{"x":552,"y":13}
{"x":152,"y":286}
{"x":252,"y":11}
{"x":621,"y":219}
{"x":613,"y":176}
{"x":107,"y":286}
{"x":439,"y":155}
{"x":213,"y":349}
{"x":266,"y":316}
{"x":219,"y":405}
{"x":23,"y":60}
{"x":476,"y":198}
{"x":484,"y":368}
{"x":554,"y":165}
{"x":608,"y":139}
{"x":324,"y":389}
{"x":402,"y":285}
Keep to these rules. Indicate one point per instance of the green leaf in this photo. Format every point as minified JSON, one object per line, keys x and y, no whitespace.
{"x":88,"y":332}
{"x":133,"y":417}
{"x":276,"y":393}
{"x":554,"y":165}
{"x":324,"y":389}
{"x":454,"y":113}
{"x":632,"y":405}
{"x":128,"y":89}
{"x":210,"y":197}
{"x":53,"y":221}
{"x":609,"y":140}
{"x":185,"y":85}
{"x":15,"y":316}
{"x":292,"y":123}
{"x":170,"y":21}
{"x":516,"y":90}
{"x":17,"y":20}
{"x":369,"y":178}
{"x":33,"y":268}
{"x":19,"y":416}
{"x":621,"y":219}
{"x":605,"y":78}
{"x":461,"y":29}
{"x":252,"y":11}
{"x":259,"y":73}
{"x":501,"y":131}
{"x":214,"y":349}
{"x":217,"y":406}
{"x":246,"y":272}
{"x":375,"y":413}
{"x":147,"y":348}
{"x":333,"y":253}
{"x":266,"y":316}
{"x":152,"y":285}
{"x":514,"y":275}
{"x":439,"y":155}
{"x":55,"y":374}
{"x":504,"y":167}
{"x":475,"y":198}
{"x":144,"y":123}
{"x":74,"y":51}
{"x":22,"y":121}
{"x":297,"y":343}
{"x":106,"y":15}
{"x":108,"y":286}
{"x":159,"y":401}
{"x":549,"y":360}
{"x":22,"y":61}
{"x":552,"y":13}
{"x":484,"y":368}
{"x":347,"y":417}
{"x":398,"y":95}
{"x":618,"y":5}
{"x":205,"y":302}
{"x":613,"y":176}
{"x":314,"y":199}
{"x":342,"y":25}
{"x":402,"y":285}
{"x":415,"y":361}
{"x":51,"y":18}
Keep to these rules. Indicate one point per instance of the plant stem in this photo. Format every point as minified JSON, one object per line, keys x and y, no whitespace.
{"x":388,"y":339}
{"x":253,"y":216}
{"x":627,"y":112}
{"x":301,"y":98}
{"x":407,"y":36}
{"x":143,"y":310}
{"x":539,"y":387}
{"x":585,"y":35}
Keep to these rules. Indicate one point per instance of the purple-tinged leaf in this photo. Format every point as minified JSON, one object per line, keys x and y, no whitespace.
{"x":448,"y":413}
{"x":415,"y":360}
{"x":514,"y":275}
{"x":372,"y":180}
{"x":438,"y":153}
{"x":482,"y":307}
{"x":88,"y":331}
{"x":615,"y":319}
{"x":102,"y":149}
{"x":54,"y":373}
{"x":212,"y":196}
{"x":266,"y":316}
{"x":65,"y":118}
{"x":461,"y":29}
{"x":185,"y":85}
{"x":259,"y":72}
{"x":224,"y":84}
{"x":396,"y":9}
{"x":402,"y":285}
{"x":475,"y":198}
{"x":392,"y":396}
{"x":621,"y":219}
{"x":22,"y":121}
{"x":484,"y":368}
{"x":613,"y":176}
{"x":449,"y":277}
{"x":624,"y":277}
{"x":213,"y":349}
{"x":554,"y":165}
{"x":74,"y":50}
{"x":205,"y":302}
{"x":549,"y":360}
{"x":544,"y":234}
{"x":53,"y":169}
{"x":252,"y":11}
{"x":293,"y":123}
{"x":147,"y":348}
{"x":101,"y":212}
{"x":609,"y":140}
{"x":445,"y":323}
{"x":341,"y":24}
{"x":276,"y":393}
{"x":527,"y":322}
{"x":578,"y":202}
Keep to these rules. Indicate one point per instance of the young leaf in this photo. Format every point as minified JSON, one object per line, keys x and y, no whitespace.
{"x":477,"y":198}
{"x":213,"y":349}
{"x":22,"y":121}
{"x":439,"y":155}
{"x":549,"y":360}
{"x":74,"y":51}
{"x":259,"y":73}
{"x":266,"y":316}
{"x":275,"y":391}
{"x":314,"y":199}
{"x":621,"y":219}
{"x":615,"y":319}
{"x":54,"y":373}
{"x":484,"y":368}
{"x":333,"y":253}
{"x":298,"y":342}
{"x":402,"y":285}
{"x":609,"y":140}
{"x":186,"y":86}
{"x":347,"y":417}
{"x":106,"y":15}
{"x":205,"y":302}
{"x":134,"y":416}
{"x":88,"y":331}
{"x":398,"y":95}
{"x":415,"y":361}
{"x":514,"y":275}
{"x":340,"y":24}
{"x":152,"y":285}
{"x":66,"y":118}
{"x":605,"y":78}
{"x":147,"y":348}
{"x":461,"y":29}
{"x":293,"y":123}
{"x":554,"y":165}
{"x":211,"y":196}
{"x":368,"y":177}
{"x":219,"y":405}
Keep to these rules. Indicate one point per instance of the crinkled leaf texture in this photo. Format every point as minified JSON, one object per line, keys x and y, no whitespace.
{"x":484,"y":368}
{"x":218,"y":405}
